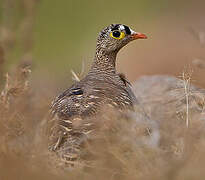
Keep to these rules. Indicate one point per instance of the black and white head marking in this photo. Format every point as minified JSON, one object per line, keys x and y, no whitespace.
{"x":122,"y":27}
{"x":114,"y":37}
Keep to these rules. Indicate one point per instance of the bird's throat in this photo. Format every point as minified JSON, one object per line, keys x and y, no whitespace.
{"x":104,"y":62}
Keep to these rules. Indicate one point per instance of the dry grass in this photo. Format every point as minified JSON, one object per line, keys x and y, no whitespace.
{"x":124,"y":146}
{"x":170,"y":144}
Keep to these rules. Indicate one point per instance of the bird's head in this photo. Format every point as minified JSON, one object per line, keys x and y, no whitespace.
{"x":115,"y":36}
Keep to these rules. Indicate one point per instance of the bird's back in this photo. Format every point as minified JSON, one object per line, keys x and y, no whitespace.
{"x":87,"y":96}
{"x":85,"y":99}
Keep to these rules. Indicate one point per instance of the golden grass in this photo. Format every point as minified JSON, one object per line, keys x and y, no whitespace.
{"x":170,"y":144}
{"x":124,"y":146}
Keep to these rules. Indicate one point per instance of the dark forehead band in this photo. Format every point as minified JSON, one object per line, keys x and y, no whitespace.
{"x":127,"y":30}
{"x":116,"y":27}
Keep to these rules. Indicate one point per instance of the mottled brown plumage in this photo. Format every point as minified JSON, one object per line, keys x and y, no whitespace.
{"x":101,"y":86}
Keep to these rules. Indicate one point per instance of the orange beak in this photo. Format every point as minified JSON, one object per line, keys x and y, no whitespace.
{"x":138,"y":36}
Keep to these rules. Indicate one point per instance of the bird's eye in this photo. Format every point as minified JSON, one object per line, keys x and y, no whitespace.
{"x":117,"y":35}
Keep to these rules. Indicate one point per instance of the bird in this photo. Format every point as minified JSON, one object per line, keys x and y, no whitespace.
{"x":102,"y":85}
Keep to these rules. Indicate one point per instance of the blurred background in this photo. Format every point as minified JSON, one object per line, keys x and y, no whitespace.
{"x":53,"y":37}
{"x":57,"y":36}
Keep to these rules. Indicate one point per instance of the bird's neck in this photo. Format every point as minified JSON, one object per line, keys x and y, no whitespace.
{"x":104,"y":62}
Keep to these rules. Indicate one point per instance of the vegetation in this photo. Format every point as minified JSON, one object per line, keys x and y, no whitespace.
{"x":170,"y":144}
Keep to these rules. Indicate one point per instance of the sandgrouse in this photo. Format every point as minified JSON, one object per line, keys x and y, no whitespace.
{"x":101,"y":86}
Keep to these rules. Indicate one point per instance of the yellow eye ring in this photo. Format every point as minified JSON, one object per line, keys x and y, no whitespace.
{"x":117,"y":35}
